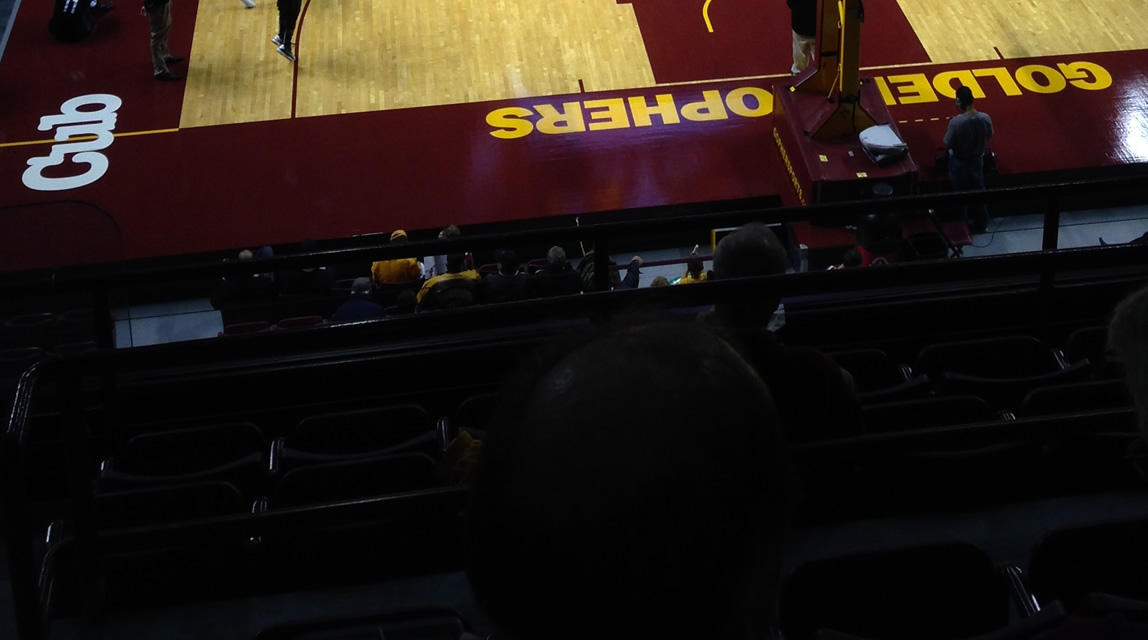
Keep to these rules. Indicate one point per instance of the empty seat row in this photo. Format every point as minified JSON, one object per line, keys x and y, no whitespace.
{"x":239,"y":453}
{"x":1000,"y":370}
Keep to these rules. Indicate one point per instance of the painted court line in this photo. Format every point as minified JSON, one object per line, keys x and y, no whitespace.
{"x":125,"y":134}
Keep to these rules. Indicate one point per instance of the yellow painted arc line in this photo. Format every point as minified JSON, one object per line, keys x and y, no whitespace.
{"x":84,"y":138}
{"x":706,"y":15}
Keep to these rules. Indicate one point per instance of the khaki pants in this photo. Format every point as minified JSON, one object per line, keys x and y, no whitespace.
{"x":803,"y":47}
{"x":160,"y":20}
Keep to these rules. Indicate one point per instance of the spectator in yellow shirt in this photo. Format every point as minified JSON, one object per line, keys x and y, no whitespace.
{"x":458,"y":287}
{"x":400,"y":271}
{"x":695,"y":271}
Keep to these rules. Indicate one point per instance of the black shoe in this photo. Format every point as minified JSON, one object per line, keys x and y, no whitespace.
{"x":173,"y":59}
{"x":167,"y":76}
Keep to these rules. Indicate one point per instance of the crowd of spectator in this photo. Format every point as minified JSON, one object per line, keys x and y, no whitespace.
{"x":408,"y":285}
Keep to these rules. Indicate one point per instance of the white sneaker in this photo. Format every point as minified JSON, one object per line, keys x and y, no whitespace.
{"x":250,"y":4}
{"x":285,"y":51}
{"x":276,"y":40}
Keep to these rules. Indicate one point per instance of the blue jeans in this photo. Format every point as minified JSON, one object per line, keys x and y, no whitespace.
{"x":969,"y":175}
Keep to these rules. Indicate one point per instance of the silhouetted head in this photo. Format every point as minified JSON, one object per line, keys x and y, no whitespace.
{"x":752,"y":250}
{"x":398,"y":236}
{"x":660,"y":281}
{"x":694,"y":267}
{"x":456,"y":262}
{"x":556,"y":258}
{"x":633,"y":488}
{"x":361,"y":286}
{"x":507,"y":262}
{"x":964,"y":98}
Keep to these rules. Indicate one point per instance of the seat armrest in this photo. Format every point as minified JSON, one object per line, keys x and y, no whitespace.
{"x":275,"y":457}
{"x":258,"y":505}
{"x":442,"y":425}
{"x":1026,"y":603}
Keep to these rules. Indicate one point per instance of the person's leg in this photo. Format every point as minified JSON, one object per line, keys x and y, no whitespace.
{"x":808,"y":46}
{"x":159,"y":21}
{"x":800,"y":61}
{"x":977,"y":181}
{"x":166,"y":30}
{"x":288,"y":20}
{"x":959,"y":181}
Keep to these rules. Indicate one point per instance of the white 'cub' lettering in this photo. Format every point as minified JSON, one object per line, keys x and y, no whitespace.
{"x":74,"y":122}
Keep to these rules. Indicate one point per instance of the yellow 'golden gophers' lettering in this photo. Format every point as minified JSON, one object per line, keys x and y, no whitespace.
{"x":508,"y":123}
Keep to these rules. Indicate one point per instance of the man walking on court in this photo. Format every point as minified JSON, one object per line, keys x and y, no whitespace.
{"x":965,"y":142}
{"x":803,"y":19}
{"x":158,"y":14}
{"x":288,"y":16}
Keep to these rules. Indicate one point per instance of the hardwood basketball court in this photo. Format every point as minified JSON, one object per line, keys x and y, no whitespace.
{"x":418,"y":113}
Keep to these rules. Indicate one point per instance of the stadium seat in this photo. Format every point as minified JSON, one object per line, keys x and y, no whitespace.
{"x":942,"y":591}
{"x":878,"y":378}
{"x":475,"y":414}
{"x":302,"y":322}
{"x":155,"y":505}
{"x":1028,"y":628}
{"x":1000,"y":370}
{"x":1076,"y":397}
{"x":31,"y":322}
{"x":1091,"y":343}
{"x":164,"y":573}
{"x":361,"y":431}
{"x":73,"y":347}
{"x":994,"y":358}
{"x":1107,"y":557}
{"x":13,"y":362}
{"x":926,"y":413}
{"x":242,"y":328}
{"x":423,"y":623}
{"x":228,"y":452}
{"x":361,"y":478}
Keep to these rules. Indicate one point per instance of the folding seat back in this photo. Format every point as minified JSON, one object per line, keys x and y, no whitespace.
{"x":189,"y":450}
{"x":242,"y":328}
{"x":156,"y":505}
{"x":300,"y":322}
{"x":872,"y":369}
{"x":232,"y":453}
{"x":367,"y":478}
{"x":1087,"y":343}
{"x":423,"y":623}
{"x":993,"y":358}
{"x":1091,"y":343}
{"x":1076,"y":397}
{"x":926,"y":413}
{"x":943,"y":591}
{"x":363,"y":431}
{"x":1108,"y":557}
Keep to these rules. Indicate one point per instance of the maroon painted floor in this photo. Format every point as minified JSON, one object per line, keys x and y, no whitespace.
{"x":274,"y":182}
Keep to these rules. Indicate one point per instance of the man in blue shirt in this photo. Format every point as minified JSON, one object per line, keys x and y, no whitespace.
{"x":359,"y":307}
{"x":965,"y":141}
